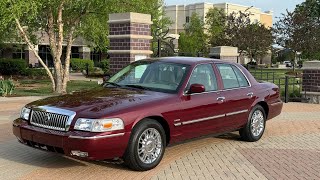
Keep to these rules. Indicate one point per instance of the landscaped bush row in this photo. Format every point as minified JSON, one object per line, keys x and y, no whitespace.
{"x":81,"y":64}
{"x":13,"y":66}
{"x":19,"y":67}
{"x":36,"y":72}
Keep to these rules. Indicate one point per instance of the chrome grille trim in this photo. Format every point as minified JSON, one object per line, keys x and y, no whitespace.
{"x":51,"y":118}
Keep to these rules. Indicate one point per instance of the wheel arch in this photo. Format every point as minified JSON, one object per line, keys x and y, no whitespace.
{"x":265,"y":106}
{"x":160,"y":120}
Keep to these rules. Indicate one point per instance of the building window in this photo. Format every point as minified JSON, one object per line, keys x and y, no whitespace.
{"x":75,"y":52}
{"x":187,"y":19}
{"x":44,"y":53}
{"x":18,"y":52}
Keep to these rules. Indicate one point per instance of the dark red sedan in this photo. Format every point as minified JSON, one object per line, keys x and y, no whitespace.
{"x":148,"y":105}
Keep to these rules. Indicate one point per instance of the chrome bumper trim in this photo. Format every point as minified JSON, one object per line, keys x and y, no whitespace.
{"x":97,"y":137}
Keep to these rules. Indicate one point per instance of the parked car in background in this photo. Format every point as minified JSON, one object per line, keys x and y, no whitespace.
{"x":287,"y":63}
{"x":148,"y":105}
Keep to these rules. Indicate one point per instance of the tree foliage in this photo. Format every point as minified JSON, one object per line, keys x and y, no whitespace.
{"x":62,"y":21}
{"x":194,"y":40}
{"x":215,"y":26}
{"x":252,"y":39}
{"x":299,"y":30}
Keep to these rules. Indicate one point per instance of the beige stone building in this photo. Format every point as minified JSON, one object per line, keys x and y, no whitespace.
{"x":180,"y":14}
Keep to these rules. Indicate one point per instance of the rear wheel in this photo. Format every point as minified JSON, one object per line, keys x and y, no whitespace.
{"x":255,"y":126}
{"x":146,"y":146}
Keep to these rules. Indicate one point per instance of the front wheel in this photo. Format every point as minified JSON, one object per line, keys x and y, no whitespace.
{"x":255,"y":126}
{"x":146,"y":146}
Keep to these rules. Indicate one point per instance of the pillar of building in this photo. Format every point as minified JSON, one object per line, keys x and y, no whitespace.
{"x":130,"y":39}
{"x":226,"y":53}
{"x":311,"y":81}
{"x":30,"y":57}
{"x":84,"y":52}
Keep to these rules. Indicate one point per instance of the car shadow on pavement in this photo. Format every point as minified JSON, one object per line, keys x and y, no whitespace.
{"x":14,"y":152}
{"x":232,"y":136}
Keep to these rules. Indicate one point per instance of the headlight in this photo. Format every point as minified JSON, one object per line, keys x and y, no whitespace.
{"x":99,"y":125}
{"x":25,"y":113}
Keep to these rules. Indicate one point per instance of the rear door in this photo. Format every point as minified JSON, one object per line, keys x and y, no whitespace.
{"x":238,"y":95}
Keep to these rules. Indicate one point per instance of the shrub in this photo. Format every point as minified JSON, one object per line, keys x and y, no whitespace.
{"x":6,"y":87}
{"x":36,"y":72}
{"x":81,"y":64}
{"x":104,"y":65}
{"x":13,"y":66}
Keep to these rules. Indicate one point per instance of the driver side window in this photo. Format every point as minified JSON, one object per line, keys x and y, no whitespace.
{"x":204,"y":74}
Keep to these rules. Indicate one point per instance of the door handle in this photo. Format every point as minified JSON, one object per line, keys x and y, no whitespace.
{"x":250,"y":94}
{"x":221,"y":99}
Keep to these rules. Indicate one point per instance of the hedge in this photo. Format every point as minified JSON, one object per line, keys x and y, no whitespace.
{"x":104,"y":65}
{"x":36,"y":72}
{"x":81,"y":64}
{"x":13,"y":66}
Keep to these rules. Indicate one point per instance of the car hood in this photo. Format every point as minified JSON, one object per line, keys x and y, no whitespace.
{"x":100,"y":101}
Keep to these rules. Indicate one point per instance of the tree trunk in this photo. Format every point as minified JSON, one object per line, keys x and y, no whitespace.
{"x":30,"y":45}
{"x":56,"y":47}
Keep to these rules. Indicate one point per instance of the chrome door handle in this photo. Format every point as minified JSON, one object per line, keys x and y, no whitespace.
{"x":250,"y":94}
{"x":221,"y":99}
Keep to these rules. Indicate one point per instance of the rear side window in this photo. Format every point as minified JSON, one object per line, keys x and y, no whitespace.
{"x":228,"y":76}
{"x":243,"y":82}
{"x":232,"y":77}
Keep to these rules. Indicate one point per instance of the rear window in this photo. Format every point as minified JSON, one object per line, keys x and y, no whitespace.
{"x":232,"y":77}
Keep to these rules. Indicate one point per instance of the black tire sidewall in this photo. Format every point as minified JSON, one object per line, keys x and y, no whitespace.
{"x":138,"y":130}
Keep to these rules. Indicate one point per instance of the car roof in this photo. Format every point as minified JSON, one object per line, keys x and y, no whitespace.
{"x":187,"y":60}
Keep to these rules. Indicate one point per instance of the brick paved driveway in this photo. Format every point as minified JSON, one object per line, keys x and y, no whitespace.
{"x":290,"y":149}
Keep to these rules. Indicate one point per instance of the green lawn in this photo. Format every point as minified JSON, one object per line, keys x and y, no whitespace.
{"x":31,"y":87}
{"x":277,"y":76}
{"x":263,"y":74}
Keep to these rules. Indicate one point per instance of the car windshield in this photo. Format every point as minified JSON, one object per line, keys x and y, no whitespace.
{"x":151,"y":75}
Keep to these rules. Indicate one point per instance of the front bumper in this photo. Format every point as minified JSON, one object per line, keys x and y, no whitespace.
{"x":98,"y":146}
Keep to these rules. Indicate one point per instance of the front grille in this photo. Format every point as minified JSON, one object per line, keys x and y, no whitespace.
{"x":49,"y":120}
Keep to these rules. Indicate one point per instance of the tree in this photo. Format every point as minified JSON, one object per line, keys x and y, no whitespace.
{"x":308,"y":15}
{"x":299,"y":30}
{"x":215,"y":26}
{"x":194,"y":40}
{"x":252,"y":39}
{"x":160,"y":29}
{"x":63,"y":21}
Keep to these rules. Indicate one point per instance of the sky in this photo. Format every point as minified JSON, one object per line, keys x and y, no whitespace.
{"x":277,"y":6}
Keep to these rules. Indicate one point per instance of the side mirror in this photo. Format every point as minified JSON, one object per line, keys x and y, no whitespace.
{"x":196,"y":88}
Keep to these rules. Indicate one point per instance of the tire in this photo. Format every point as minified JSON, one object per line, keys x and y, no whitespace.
{"x":138,"y":157}
{"x":255,"y":126}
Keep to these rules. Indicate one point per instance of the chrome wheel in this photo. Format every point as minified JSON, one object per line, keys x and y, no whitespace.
{"x":257,"y":123}
{"x":149,"y":145}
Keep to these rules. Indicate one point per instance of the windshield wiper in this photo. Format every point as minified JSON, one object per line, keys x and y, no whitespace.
{"x":137,"y":86}
{"x":113,"y":84}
